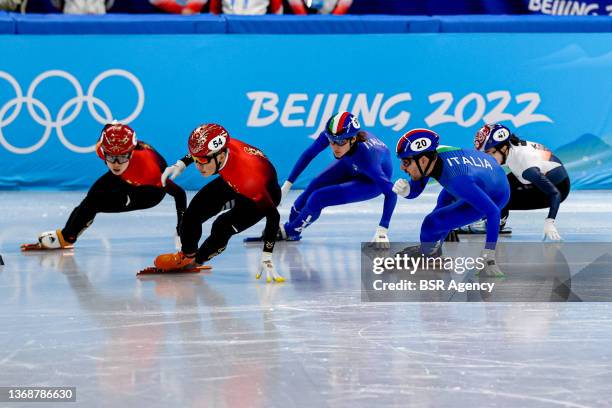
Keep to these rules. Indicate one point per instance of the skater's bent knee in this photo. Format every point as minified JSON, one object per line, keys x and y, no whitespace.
{"x":317,"y":201}
{"x":430,"y":222}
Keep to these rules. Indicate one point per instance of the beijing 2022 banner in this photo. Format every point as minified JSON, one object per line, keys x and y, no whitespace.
{"x":276,"y":92}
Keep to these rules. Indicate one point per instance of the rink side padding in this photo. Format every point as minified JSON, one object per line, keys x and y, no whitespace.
{"x":15,"y":23}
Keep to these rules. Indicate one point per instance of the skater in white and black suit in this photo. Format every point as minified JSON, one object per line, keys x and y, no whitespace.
{"x":537,"y":177}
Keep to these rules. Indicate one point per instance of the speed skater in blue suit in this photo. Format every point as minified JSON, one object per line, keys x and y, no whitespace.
{"x":362,"y":171}
{"x":474,"y":187}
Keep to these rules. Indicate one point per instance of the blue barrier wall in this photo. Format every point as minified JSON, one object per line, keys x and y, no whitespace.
{"x":12,"y":23}
{"x":276,"y":91}
{"x":407,"y":7}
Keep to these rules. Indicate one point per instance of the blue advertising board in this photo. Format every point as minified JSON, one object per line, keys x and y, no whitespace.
{"x":277,"y":91}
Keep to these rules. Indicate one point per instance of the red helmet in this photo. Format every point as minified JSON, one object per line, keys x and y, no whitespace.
{"x":208,"y":139}
{"x":117,"y":139}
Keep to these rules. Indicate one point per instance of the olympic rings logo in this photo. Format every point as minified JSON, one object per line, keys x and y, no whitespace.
{"x":62,"y":119}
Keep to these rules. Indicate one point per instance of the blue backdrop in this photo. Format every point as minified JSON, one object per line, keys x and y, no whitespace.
{"x":275,"y":92}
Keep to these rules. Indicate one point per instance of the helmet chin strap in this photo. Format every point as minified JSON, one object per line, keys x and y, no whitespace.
{"x":504,"y":155}
{"x":217,"y":164}
{"x":424,"y":172}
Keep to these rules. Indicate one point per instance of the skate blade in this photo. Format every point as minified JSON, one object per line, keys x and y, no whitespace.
{"x":153,"y":270}
{"x":38,"y":247}
{"x":249,"y":240}
{"x":259,"y":240}
{"x":503,"y":232}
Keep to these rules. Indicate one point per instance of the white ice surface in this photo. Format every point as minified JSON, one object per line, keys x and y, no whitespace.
{"x":226,"y":340}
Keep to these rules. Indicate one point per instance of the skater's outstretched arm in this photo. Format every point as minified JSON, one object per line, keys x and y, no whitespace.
{"x":313,"y":150}
{"x":544,"y":184}
{"x":535,"y":176}
{"x":378,"y":176}
{"x":409,"y":188}
{"x":176,"y":169}
{"x":180,"y":201}
{"x":267,"y":205}
{"x":309,"y":154}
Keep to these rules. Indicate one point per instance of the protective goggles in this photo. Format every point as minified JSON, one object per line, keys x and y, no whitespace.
{"x":119,"y":158}
{"x":407,"y":161}
{"x":339,"y":142}
{"x":202,"y":160}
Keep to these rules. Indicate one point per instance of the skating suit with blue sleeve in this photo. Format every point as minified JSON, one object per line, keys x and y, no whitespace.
{"x":474,"y":185}
{"x":362,"y":174}
{"x":309,"y":154}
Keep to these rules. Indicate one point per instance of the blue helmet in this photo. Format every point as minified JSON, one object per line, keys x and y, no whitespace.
{"x":491,"y":135}
{"x":342,"y":126}
{"x":416,"y":142}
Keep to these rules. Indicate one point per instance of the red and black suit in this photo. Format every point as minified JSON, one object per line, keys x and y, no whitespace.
{"x":137,"y":188}
{"x":249,"y":180}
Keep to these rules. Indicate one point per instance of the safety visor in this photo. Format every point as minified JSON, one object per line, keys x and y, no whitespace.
{"x":202,"y":160}
{"x":407,"y":161}
{"x":117,"y":158}
{"x":341,"y":142}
